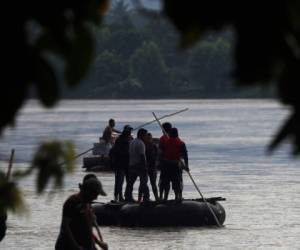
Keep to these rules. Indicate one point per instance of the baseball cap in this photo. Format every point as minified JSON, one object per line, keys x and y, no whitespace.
{"x":93,"y":185}
{"x":127,"y":127}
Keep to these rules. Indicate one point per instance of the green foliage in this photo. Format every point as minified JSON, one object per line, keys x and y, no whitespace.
{"x":109,"y":70}
{"x":52,"y":160}
{"x":11,"y":198}
{"x":147,"y":66}
{"x":209,"y":66}
{"x":123,"y":68}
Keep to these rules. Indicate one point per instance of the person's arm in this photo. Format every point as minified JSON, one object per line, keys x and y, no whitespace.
{"x":116,"y":131}
{"x":101,"y":244}
{"x":184,"y":155}
{"x":99,"y":241}
{"x":142,"y":153}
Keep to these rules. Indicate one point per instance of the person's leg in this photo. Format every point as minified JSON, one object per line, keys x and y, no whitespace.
{"x":167,"y":181}
{"x":160,"y":184}
{"x":129,"y":187}
{"x":121,"y":181}
{"x":177,"y":183}
{"x":143,"y":188}
{"x":152,"y":176}
{"x":116,"y":186}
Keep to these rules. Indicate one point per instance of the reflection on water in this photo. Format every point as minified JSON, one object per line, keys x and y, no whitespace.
{"x":226,"y":140}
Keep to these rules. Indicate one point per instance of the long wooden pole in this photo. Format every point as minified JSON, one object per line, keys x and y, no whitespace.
{"x":78,"y":155}
{"x":205,"y":201}
{"x":160,"y":118}
{"x":11,"y":159}
{"x":207,"y":204}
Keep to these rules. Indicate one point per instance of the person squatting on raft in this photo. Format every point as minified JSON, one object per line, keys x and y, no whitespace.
{"x":119,"y":157}
{"x":137,"y":166}
{"x":174,"y":150}
{"x":151,"y":157}
{"x":164,"y":185}
{"x":78,"y":218}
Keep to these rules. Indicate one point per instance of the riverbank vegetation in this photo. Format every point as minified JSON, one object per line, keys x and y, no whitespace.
{"x":138,"y":57}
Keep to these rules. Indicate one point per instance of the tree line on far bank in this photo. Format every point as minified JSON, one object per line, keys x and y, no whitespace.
{"x":138,"y":57}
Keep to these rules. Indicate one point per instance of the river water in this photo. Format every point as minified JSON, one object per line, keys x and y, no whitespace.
{"x":226,"y":140}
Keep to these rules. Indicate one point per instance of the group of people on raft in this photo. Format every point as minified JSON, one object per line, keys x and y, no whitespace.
{"x":130,"y":158}
{"x":141,"y":157}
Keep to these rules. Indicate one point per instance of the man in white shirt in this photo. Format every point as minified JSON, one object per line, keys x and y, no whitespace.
{"x":137,"y":166}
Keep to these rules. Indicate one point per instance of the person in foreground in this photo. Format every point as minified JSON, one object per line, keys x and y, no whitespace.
{"x":78,"y":219}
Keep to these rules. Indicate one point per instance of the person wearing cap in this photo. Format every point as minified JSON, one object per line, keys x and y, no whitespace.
{"x":78,"y":218}
{"x":99,"y":241}
{"x":119,"y":157}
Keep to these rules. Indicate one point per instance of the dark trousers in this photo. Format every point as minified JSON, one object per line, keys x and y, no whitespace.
{"x":164,"y":182}
{"x":172,"y":174}
{"x":119,"y":180}
{"x":133,"y":173}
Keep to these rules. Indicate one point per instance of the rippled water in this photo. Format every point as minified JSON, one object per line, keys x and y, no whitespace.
{"x":226,"y":140}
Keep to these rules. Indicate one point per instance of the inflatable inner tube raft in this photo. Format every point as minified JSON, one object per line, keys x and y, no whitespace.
{"x":189,"y":212}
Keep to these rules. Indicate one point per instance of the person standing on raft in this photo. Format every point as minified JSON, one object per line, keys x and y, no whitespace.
{"x":164,"y":183}
{"x":151,"y":157}
{"x":119,"y":157}
{"x":174,"y":150}
{"x":137,"y":166}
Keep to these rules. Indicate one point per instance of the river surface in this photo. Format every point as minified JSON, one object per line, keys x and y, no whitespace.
{"x":226,"y":140}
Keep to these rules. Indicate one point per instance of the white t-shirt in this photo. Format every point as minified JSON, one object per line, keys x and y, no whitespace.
{"x":136,"y":149}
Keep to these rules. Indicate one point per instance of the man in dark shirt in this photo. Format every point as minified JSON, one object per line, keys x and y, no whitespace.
{"x":78,"y":218}
{"x":119,"y":156}
{"x":152,"y":157}
{"x":164,"y":183}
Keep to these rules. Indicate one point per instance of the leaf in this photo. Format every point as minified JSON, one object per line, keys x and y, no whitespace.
{"x":52,"y":160}
{"x":46,"y":82}
{"x":11,"y":198}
